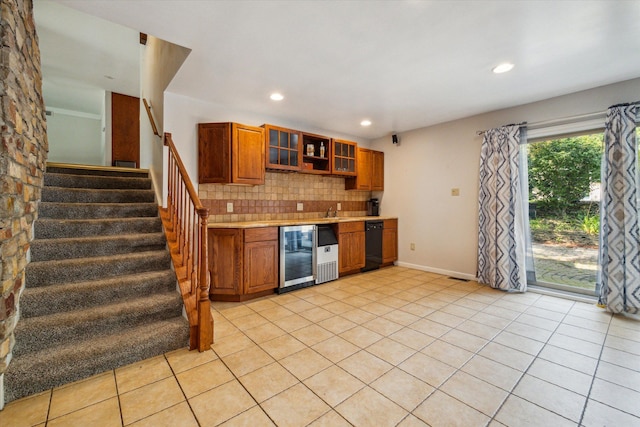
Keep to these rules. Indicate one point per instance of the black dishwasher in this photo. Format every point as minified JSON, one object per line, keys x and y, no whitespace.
{"x":373,"y":244}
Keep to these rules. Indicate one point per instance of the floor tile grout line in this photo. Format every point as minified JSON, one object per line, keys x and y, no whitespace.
{"x":115,"y":380}
{"x":527,"y":370}
{"x":280,"y":364}
{"x":175,"y":376}
{"x":301,"y":382}
{"x":51,"y":390}
{"x":46,"y":421}
{"x":595,"y":372}
{"x":404,"y":326}
{"x":459,"y":369}
{"x":243,"y":386}
{"x":476,"y":353}
{"x":536,"y":356}
{"x":452,"y":302}
{"x":489,"y":341}
{"x":335,"y":364}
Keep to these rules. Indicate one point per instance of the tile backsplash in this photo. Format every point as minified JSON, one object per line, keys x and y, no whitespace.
{"x":279,"y":196}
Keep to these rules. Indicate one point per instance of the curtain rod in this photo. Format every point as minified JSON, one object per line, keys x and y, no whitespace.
{"x":563,"y":120}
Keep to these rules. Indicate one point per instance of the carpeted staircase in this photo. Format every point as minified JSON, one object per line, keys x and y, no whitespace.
{"x":100,"y":292}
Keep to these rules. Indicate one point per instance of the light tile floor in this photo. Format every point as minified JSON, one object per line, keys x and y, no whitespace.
{"x":394,"y":347}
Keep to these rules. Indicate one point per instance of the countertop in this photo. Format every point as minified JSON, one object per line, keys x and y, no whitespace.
{"x":285,"y":222}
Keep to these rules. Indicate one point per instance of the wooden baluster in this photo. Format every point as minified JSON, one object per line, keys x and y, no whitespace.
{"x":205,"y":319}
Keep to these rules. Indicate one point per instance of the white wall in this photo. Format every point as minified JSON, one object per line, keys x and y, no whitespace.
{"x":75,"y":137}
{"x":159,"y":63}
{"x":182,"y":115}
{"x":421,"y":171}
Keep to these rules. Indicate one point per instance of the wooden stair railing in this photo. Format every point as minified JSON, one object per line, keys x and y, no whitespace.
{"x":185,"y":222}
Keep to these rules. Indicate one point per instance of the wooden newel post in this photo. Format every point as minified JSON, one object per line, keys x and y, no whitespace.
{"x":205,"y":320}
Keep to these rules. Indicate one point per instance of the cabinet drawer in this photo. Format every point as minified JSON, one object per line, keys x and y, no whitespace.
{"x":260,"y":234}
{"x":349,"y":227}
{"x":390,"y":223}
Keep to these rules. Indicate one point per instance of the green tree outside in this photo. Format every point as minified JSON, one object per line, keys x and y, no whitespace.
{"x":562,"y":170}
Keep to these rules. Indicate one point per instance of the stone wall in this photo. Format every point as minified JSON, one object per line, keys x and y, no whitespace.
{"x":23,"y":155}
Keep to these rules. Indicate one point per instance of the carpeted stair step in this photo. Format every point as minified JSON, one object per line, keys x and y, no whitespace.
{"x":46,"y":228}
{"x":54,"y":366}
{"x":96,"y":182}
{"x":52,"y":299}
{"x":96,"y":210}
{"x":44,"y":273}
{"x":100,"y":292}
{"x":82,"y":247}
{"x":100,"y":171}
{"x":75,"y":326}
{"x":88,"y":195}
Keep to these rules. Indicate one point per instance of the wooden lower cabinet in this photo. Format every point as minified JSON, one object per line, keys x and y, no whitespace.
{"x":351,"y":247}
{"x":390,"y":241}
{"x":243,"y":263}
{"x":260,"y":260}
{"x":225,"y":261}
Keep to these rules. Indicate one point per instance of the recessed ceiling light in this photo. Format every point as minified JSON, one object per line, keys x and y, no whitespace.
{"x":276,"y":96}
{"x":502,"y":68}
{"x":365,"y":122}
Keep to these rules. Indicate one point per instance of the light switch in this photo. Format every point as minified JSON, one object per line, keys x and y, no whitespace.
{"x":339,"y":206}
{"x":455,"y":191}
{"x":300,"y":207}
{"x":229,"y":207}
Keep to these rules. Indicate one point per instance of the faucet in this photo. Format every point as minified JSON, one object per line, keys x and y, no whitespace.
{"x":328,"y":214}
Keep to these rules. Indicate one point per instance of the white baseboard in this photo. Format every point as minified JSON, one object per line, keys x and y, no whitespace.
{"x":455,"y":274}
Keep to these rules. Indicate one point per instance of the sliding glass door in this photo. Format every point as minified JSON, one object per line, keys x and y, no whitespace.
{"x":564,"y":211}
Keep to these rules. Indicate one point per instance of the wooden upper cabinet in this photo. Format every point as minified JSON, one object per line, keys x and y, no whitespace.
{"x":283,"y":148}
{"x":247,"y":155}
{"x":370,"y":171}
{"x":230,"y":153}
{"x":344,"y":157}
{"x":363,"y":179}
{"x":377,"y":171}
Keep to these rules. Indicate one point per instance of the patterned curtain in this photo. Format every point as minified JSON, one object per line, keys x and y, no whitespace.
{"x":501,"y":240}
{"x":619,"y":232}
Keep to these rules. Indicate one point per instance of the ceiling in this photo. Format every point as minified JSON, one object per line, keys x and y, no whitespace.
{"x":401,"y":64}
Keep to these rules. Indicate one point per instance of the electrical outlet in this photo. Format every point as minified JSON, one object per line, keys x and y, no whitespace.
{"x":300,"y":207}
{"x":339,"y":206}
{"x":413,"y":246}
{"x":455,"y":191}
{"x":229,"y":207}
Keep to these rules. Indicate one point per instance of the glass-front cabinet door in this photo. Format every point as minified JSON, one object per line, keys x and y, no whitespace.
{"x":283,"y":148}
{"x":344,"y":158}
